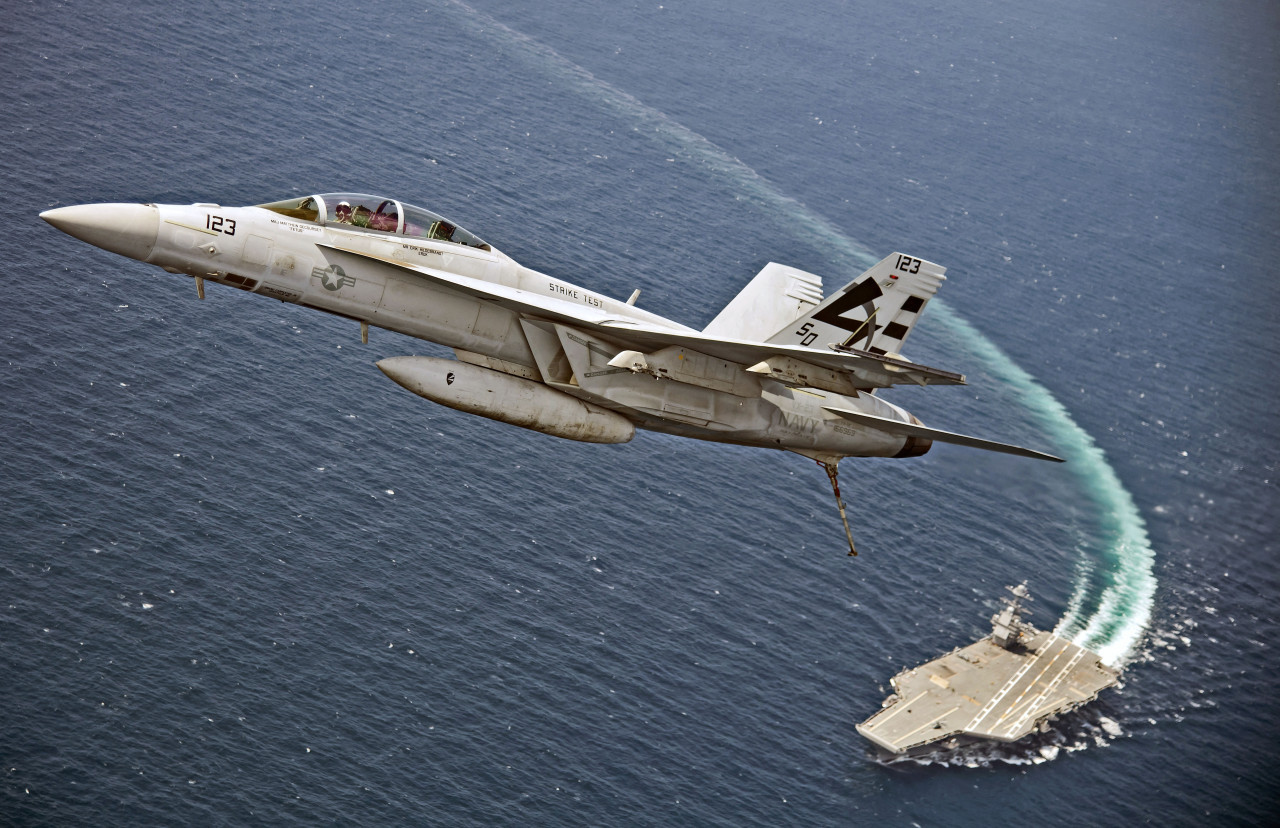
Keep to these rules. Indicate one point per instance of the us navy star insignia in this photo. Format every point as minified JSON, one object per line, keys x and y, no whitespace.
{"x":333,"y":277}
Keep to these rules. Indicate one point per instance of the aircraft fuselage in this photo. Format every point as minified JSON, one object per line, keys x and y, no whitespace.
{"x":369,"y":276}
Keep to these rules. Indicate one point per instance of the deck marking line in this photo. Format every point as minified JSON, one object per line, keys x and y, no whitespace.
{"x":1031,"y":684}
{"x":905,"y":736}
{"x":899,"y":708}
{"x":1009,"y":685}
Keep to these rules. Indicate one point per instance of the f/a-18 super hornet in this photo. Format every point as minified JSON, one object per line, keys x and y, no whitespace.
{"x":780,"y":367}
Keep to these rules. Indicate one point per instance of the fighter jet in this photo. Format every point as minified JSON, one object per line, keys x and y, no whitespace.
{"x":781,"y":367}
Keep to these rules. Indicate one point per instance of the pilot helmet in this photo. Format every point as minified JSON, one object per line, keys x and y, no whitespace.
{"x":343,"y":211}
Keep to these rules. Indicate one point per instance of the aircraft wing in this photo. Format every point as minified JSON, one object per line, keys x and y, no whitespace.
{"x":869,"y":370}
{"x":911,"y":429}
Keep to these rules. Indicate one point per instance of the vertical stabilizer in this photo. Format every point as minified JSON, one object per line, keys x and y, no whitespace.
{"x":874,"y":312}
{"x":776,"y":295}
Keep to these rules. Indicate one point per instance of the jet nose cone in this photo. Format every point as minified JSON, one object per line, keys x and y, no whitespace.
{"x":128,"y":229}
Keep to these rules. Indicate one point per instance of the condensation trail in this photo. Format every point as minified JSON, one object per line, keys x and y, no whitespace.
{"x":1123,"y":609}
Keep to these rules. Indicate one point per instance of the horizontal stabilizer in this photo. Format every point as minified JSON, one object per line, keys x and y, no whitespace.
{"x":913,"y":430}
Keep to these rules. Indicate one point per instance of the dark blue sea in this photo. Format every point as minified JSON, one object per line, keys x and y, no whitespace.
{"x":246,"y":580}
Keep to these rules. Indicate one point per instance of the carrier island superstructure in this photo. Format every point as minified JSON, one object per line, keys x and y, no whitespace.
{"x":1001,"y":688}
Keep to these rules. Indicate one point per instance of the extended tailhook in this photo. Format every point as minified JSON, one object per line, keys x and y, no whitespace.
{"x":832,"y":471}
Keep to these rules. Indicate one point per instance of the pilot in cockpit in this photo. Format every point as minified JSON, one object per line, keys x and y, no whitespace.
{"x":343,"y":212}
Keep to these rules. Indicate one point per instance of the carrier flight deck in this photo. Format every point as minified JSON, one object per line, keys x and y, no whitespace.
{"x":1000,"y":688}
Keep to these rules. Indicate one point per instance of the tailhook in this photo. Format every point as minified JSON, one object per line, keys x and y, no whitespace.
{"x":832,"y":472}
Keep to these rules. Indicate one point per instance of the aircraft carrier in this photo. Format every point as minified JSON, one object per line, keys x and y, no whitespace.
{"x":1001,"y":688}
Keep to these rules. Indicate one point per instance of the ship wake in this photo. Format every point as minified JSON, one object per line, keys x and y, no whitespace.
{"x":1114,"y":592}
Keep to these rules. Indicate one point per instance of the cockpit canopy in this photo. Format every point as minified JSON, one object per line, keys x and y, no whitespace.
{"x":383,"y":215}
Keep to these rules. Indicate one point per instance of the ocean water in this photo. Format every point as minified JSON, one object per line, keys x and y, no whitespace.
{"x":246,"y":580}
